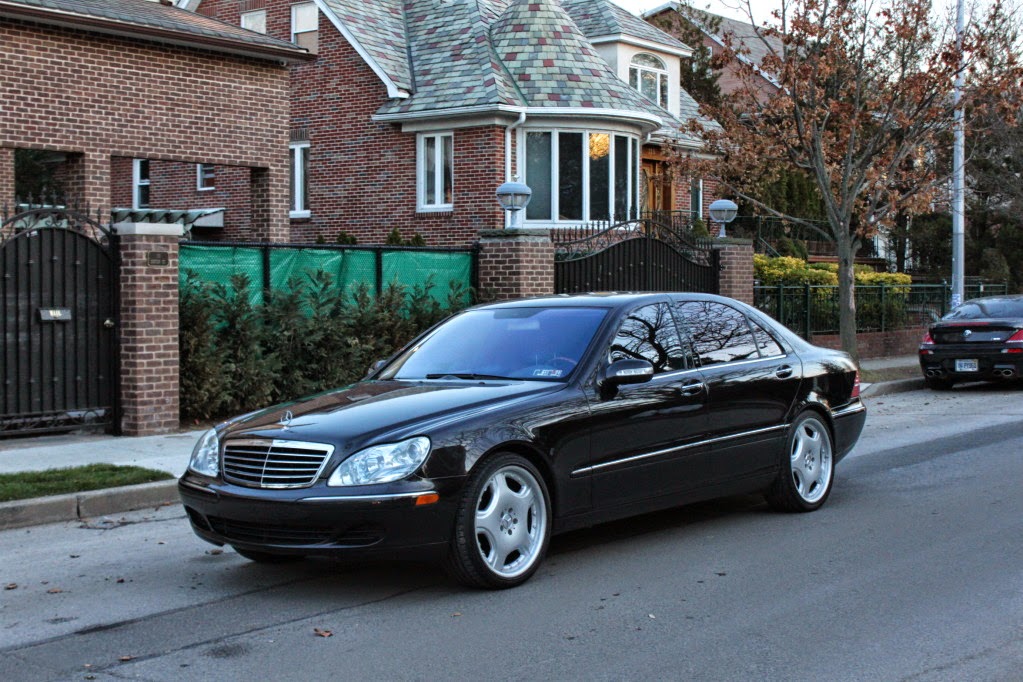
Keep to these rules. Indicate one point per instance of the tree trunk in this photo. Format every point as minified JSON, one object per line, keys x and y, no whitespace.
{"x":847,"y":295}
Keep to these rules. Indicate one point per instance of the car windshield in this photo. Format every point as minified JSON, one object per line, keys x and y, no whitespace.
{"x":995,"y":308}
{"x":543,"y":344}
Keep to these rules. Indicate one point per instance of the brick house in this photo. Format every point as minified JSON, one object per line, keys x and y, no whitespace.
{"x":750,"y":40}
{"x":414,"y":111}
{"x":91,"y":88}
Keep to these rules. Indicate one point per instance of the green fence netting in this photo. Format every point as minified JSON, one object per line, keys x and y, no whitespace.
{"x":273,"y":266}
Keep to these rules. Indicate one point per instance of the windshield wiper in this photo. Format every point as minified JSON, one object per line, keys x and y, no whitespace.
{"x":469,"y":376}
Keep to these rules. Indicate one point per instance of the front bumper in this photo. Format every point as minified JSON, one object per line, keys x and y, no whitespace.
{"x":385,"y":522}
{"x":992,"y":364}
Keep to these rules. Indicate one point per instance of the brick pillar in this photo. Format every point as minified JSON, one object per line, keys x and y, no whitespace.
{"x":94,"y":177}
{"x":7,"y":178}
{"x":149,"y":328}
{"x":736,"y":277}
{"x":269,"y":204}
{"x":516,"y":263}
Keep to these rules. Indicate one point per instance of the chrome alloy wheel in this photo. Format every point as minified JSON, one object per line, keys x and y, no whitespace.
{"x":811,"y":460}
{"x":511,"y":521}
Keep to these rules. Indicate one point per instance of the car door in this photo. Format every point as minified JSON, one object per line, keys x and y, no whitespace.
{"x":641,"y":435}
{"x":751,"y":384}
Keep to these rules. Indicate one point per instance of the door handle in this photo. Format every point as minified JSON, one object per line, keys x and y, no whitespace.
{"x":690,"y":390}
{"x":783,"y":372}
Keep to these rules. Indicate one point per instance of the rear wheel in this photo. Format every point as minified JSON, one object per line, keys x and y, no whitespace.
{"x":502,"y":526}
{"x":808,"y":467}
{"x":267,"y":557}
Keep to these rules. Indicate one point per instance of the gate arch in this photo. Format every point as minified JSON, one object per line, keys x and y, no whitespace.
{"x":640,"y":255}
{"x":58,"y":306}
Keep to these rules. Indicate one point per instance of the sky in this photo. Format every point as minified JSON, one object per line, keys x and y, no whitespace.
{"x":726,"y":8}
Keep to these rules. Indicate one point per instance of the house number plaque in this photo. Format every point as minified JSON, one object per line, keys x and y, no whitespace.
{"x":157,"y":258}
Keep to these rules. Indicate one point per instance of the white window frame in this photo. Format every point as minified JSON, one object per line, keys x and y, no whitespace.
{"x":295,"y":9}
{"x":698,"y":185}
{"x":296,"y":150}
{"x":663,"y":84}
{"x":198,"y":177}
{"x":632,"y":205}
{"x":253,"y":13}
{"x":137,"y":181}
{"x":438,"y":172}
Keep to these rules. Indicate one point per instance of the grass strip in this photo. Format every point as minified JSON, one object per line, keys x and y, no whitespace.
{"x":874,"y":376}
{"x":28,"y":484}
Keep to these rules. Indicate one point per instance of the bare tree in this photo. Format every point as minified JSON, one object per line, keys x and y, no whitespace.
{"x":863,"y":101}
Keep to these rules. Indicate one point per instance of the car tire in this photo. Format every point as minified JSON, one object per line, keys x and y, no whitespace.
{"x":938,"y":384}
{"x":807,"y":468}
{"x":502,"y":525}
{"x":267,"y":557}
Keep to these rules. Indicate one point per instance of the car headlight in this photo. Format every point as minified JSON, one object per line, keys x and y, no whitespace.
{"x":206,"y":455}
{"x":382,"y":463}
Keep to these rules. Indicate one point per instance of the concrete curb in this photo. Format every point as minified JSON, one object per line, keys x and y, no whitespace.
{"x":84,"y":505}
{"x":890,"y":387}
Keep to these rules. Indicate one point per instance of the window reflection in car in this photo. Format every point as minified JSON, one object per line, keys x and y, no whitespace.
{"x":542,"y":344}
{"x":649,"y":333}
{"x":719,"y":333}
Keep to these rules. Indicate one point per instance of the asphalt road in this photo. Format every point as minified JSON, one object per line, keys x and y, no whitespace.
{"x":912,"y":571}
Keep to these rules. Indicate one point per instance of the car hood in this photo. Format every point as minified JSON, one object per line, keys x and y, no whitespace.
{"x":367,"y":411}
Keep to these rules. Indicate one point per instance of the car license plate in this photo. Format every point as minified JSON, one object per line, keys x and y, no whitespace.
{"x":967,"y":366}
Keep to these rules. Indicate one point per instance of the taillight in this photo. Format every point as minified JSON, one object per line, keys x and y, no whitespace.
{"x":856,"y":385}
{"x":926,"y":341}
{"x":1017,"y":342}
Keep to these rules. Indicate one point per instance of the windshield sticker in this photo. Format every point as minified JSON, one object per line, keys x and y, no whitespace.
{"x":550,"y":373}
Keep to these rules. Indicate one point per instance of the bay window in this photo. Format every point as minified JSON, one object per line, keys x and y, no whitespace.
{"x":580,"y":176}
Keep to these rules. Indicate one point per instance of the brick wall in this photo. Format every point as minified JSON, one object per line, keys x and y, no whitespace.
{"x":878,"y":344}
{"x":148,"y":336}
{"x":736,"y":277}
{"x":516,"y":263}
{"x":100,"y":97}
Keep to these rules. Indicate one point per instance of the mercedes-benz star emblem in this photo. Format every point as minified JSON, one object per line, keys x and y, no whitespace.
{"x":286,"y":419}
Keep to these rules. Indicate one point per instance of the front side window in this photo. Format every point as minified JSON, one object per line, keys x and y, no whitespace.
{"x":581,"y":176}
{"x":299,"y":179}
{"x":435,"y":171}
{"x":305,"y":26}
{"x":649,"y":333}
{"x":649,"y":75}
{"x":205,"y":176}
{"x":719,"y":333}
{"x":254,"y":21}
{"x":140,"y":183}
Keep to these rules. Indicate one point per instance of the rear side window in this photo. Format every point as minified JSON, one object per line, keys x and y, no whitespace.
{"x":766,"y":344}
{"x":719,"y":333}
{"x":649,"y":333}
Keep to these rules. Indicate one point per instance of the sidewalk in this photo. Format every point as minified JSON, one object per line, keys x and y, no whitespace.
{"x":170,"y":453}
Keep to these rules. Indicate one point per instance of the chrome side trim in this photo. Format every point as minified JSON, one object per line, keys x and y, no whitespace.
{"x":848,"y":410}
{"x":681,"y":448}
{"x":367,"y":498}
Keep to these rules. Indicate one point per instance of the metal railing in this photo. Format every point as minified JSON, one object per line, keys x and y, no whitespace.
{"x":813,"y":309}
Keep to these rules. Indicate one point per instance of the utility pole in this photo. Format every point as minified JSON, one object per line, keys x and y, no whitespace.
{"x":958,"y":170}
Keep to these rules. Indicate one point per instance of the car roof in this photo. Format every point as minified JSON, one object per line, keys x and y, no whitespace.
{"x":610,"y":299}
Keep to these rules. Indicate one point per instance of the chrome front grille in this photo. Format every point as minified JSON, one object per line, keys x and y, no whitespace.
{"x":262,"y":463}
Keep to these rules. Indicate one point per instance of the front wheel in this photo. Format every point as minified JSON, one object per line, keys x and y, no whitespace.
{"x":808,"y":467}
{"x":503,"y":526}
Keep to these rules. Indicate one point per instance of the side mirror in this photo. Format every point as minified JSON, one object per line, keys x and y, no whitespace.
{"x":621,"y":372}
{"x":374,"y":367}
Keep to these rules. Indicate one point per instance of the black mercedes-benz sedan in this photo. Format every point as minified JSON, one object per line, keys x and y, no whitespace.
{"x":980,"y":340}
{"x":512,"y":421}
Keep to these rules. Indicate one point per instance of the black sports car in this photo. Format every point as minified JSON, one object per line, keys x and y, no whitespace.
{"x":980,"y":340}
{"x":510,"y":421}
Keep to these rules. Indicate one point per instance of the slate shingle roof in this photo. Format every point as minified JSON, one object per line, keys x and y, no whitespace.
{"x":379,"y":26}
{"x":153,"y":15}
{"x":604,"y":18}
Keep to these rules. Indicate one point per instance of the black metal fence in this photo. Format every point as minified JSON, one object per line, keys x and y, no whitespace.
{"x":813,"y":309}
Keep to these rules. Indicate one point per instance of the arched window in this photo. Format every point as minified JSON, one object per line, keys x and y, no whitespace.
{"x":649,"y":75}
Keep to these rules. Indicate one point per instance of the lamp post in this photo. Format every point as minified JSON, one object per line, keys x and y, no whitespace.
{"x":723,"y":212}
{"x":514,"y":197}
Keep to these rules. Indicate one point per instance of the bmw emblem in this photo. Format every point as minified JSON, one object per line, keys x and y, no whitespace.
{"x":966,"y":333}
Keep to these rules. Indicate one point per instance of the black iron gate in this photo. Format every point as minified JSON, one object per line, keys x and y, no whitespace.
{"x":58,"y":299}
{"x":640,"y":255}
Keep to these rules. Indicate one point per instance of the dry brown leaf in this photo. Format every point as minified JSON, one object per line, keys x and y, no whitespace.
{"x":54,"y":590}
{"x":11,"y":586}
{"x":126,"y":658}
{"x":322,"y":633}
